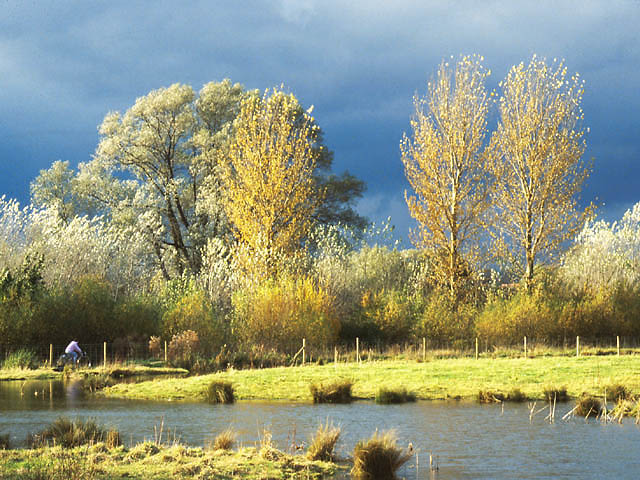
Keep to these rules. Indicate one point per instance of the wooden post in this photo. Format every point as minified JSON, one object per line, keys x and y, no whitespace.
{"x":476,"y":348}
{"x":578,"y":346}
{"x":335,"y":355}
{"x":525,"y":346}
{"x":618,"y":344}
{"x":165,"y":351}
{"x":424,"y":349}
{"x":357,"y":350}
{"x":104,"y":353}
{"x":50,"y":355}
{"x":304,"y":344}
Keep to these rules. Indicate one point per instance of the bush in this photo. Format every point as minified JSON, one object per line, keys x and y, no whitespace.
{"x":155,"y":346}
{"x":72,"y":433}
{"x":220,"y":391}
{"x":279,"y":314}
{"x":390,"y":313}
{"x":336,"y":392}
{"x":445,"y":321}
{"x":323,"y":443}
{"x":22,"y":358}
{"x":388,"y":396}
{"x":195,"y":313}
{"x":378,"y":458}
{"x":183,"y":349}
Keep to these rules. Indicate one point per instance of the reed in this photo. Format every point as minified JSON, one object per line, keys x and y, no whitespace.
{"x":225,"y":440}
{"x":617,"y":392}
{"x":387,"y":396}
{"x":72,"y":433}
{"x":220,"y":391}
{"x":323,"y":443}
{"x":516,"y":395}
{"x":379,"y":457}
{"x":334,"y":392}
{"x":587,"y":406}
{"x":487,"y":396}
{"x":22,"y":359}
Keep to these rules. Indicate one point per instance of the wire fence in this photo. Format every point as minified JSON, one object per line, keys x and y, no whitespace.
{"x":129,"y":352}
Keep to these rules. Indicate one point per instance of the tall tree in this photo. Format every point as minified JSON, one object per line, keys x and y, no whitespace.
{"x":445,"y":163}
{"x":540,"y":142}
{"x":269,"y":189}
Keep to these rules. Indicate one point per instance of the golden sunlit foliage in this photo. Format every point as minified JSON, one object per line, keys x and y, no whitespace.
{"x":446,"y":165}
{"x":540,"y":142}
{"x":270,"y":193}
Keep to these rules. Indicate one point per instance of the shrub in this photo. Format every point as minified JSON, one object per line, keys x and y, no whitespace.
{"x":322,"y":444}
{"x":155,"y":346}
{"x":335,"y":392}
{"x":390,"y":313}
{"x":225,"y":440}
{"x":558,"y":394}
{"x":387,"y":396}
{"x":279,"y":314}
{"x":195,"y":313}
{"x":72,"y":433}
{"x":587,"y":406}
{"x":442,"y":320}
{"x":183,"y":349}
{"x":22,"y":358}
{"x":220,"y":391}
{"x":378,"y":458}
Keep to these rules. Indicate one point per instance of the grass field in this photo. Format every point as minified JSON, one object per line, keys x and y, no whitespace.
{"x":115,"y":370}
{"x":435,"y":379}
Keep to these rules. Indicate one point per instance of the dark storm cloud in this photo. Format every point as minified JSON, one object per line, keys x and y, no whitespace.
{"x":64,"y":65}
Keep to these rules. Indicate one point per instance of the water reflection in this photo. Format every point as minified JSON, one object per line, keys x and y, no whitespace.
{"x":466,"y":440}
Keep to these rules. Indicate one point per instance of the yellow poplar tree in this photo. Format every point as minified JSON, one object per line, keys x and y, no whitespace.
{"x":539,"y":142}
{"x":445,"y":163}
{"x":269,"y":189}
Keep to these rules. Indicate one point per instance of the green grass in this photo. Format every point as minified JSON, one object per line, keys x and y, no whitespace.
{"x":437,"y":379}
{"x":162,"y":462}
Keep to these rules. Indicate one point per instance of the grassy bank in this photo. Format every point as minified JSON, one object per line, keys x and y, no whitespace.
{"x":436,"y":379}
{"x":150,"y":461}
{"x":116,"y":371}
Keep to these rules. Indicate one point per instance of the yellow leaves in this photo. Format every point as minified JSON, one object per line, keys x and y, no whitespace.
{"x":270,"y":191}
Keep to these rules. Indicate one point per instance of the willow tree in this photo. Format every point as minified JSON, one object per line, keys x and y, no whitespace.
{"x":445,"y":163}
{"x":269,"y":189}
{"x":539,"y":142}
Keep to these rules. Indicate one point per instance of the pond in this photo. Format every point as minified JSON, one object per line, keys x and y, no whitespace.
{"x":467,"y":440}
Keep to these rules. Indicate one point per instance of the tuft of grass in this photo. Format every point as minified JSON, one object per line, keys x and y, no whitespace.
{"x":516,"y":395}
{"x":379,"y":457}
{"x":22,"y":358}
{"x":225,"y":440}
{"x":388,"y":396}
{"x":617,"y":392}
{"x":487,"y":396}
{"x":72,"y":433}
{"x":559,"y":393}
{"x":93,"y":383}
{"x":587,"y":406}
{"x":142,"y":450}
{"x":220,"y":391}
{"x":334,"y":392}
{"x":323,"y":443}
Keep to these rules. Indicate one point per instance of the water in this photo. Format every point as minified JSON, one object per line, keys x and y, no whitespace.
{"x":467,"y":440}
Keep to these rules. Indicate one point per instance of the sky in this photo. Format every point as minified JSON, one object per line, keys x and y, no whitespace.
{"x":65,"y":64}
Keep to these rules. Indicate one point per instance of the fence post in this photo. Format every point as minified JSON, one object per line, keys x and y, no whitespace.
{"x":165,"y":351}
{"x":424,"y":349}
{"x":525,"y":346}
{"x":357,"y":349}
{"x":104,"y":353}
{"x":335,"y":355}
{"x":304,"y":344}
{"x":476,"y":348}
{"x":618,"y":344}
{"x":50,"y":355}
{"x":578,"y":346}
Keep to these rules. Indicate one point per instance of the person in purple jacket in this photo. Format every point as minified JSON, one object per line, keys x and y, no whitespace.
{"x":73,"y":350}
